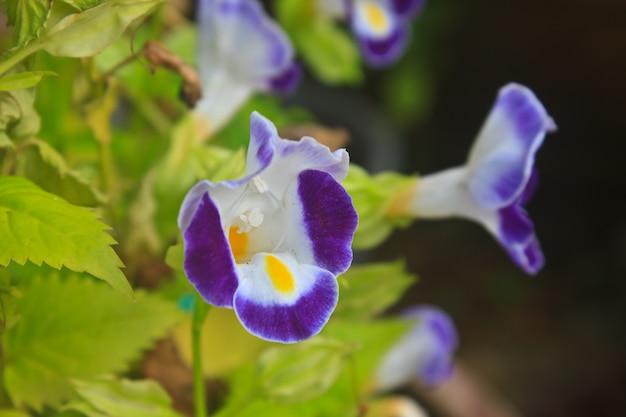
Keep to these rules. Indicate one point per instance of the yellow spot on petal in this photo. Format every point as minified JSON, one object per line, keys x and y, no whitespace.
{"x":238,"y":243}
{"x":279,"y":273}
{"x":376,"y":16}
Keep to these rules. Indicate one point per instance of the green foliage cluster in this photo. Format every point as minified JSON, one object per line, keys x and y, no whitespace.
{"x":96,"y":155}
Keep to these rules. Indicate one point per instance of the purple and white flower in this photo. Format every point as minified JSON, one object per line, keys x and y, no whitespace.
{"x":498,"y":178}
{"x":424,"y":353}
{"x":382,"y":27}
{"x":270,"y":245}
{"x":241,"y":50}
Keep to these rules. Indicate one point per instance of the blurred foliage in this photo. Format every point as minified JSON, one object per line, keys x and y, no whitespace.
{"x":96,"y":156}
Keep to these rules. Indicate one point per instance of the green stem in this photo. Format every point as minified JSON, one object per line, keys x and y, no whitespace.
{"x":200,"y":311}
{"x":19,"y":55}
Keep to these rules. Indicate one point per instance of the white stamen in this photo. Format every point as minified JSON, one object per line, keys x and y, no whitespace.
{"x":255,"y":217}
{"x":250,"y":218}
{"x":260,"y":185}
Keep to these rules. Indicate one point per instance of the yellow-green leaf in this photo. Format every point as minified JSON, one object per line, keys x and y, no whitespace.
{"x":22,"y":80}
{"x":27,"y":17}
{"x":41,"y":227}
{"x":76,"y":328}
{"x":89,"y":32}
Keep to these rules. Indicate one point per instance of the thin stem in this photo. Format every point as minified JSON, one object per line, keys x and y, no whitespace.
{"x":19,"y":55}
{"x":200,"y":311}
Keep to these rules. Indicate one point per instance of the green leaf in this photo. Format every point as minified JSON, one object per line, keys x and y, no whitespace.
{"x":372,"y":338}
{"x":83,"y":4}
{"x":18,"y":118}
{"x":22,"y":80}
{"x":124,"y":398}
{"x":373,"y":196}
{"x":42,"y":164}
{"x":370,"y":289}
{"x":76,"y":328}
{"x":299,"y":372}
{"x":27,"y":17}
{"x":41,"y":227}
{"x":330,"y":52}
{"x":12,"y":413}
{"x":89,"y":32}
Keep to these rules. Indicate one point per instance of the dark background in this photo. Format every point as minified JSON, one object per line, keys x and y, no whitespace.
{"x":554,"y":344}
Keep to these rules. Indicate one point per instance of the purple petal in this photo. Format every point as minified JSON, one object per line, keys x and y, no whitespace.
{"x":437,"y":322}
{"x":407,"y":8}
{"x":425,"y":352}
{"x":290,"y":323}
{"x":531,"y":187}
{"x":528,"y":256}
{"x":382,"y":52}
{"x":239,"y":37}
{"x":209,"y":264}
{"x":514,"y":225}
{"x":436,"y":365}
{"x":287,"y":81}
{"x":263,"y":134}
{"x":503,"y":155}
{"x":329,"y":218}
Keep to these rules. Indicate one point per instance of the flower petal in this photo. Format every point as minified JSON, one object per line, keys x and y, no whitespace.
{"x":209,"y":263}
{"x":425,"y":352}
{"x":407,"y":8}
{"x":502,"y":158}
{"x":382,"y":35}
{"x":287,"y":81}
{"x":278,"y":161}
{"x":527,"y":255}
{"x":240,"y":51}
{"x":243,"y":39}
{"x":280,"y":300}
{"x":321,"y":223}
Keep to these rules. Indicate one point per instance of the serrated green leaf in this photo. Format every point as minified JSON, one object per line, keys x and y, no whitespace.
{"x":22,"y":80}
{"x":76,"y":328}
{"x":27,"y":17}
{"x":42,"y":164}
{"x":370,"y":289}
{"x":300,"y":372}
{"x":89,"y":32}
{"x":42,"y":227}
{"x":125,"y":398}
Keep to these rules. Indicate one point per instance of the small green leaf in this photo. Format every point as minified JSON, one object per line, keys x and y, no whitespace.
{"x":125,"y":398}
{"x":330,"y":52}
{"x":22,"y":80}
{"x":89,"y":32}
{"x":18,"y":118}
{"x":83,"y":4}
{"x":41,"y":227}
{"x":42,"y":164}
{"x":27,"y":17}
{"x":76,"y":328}
{"x":373,"y":196}
{"x":294,"y":373}
{"x":370,"y":289}
{"x":372,"y":340}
